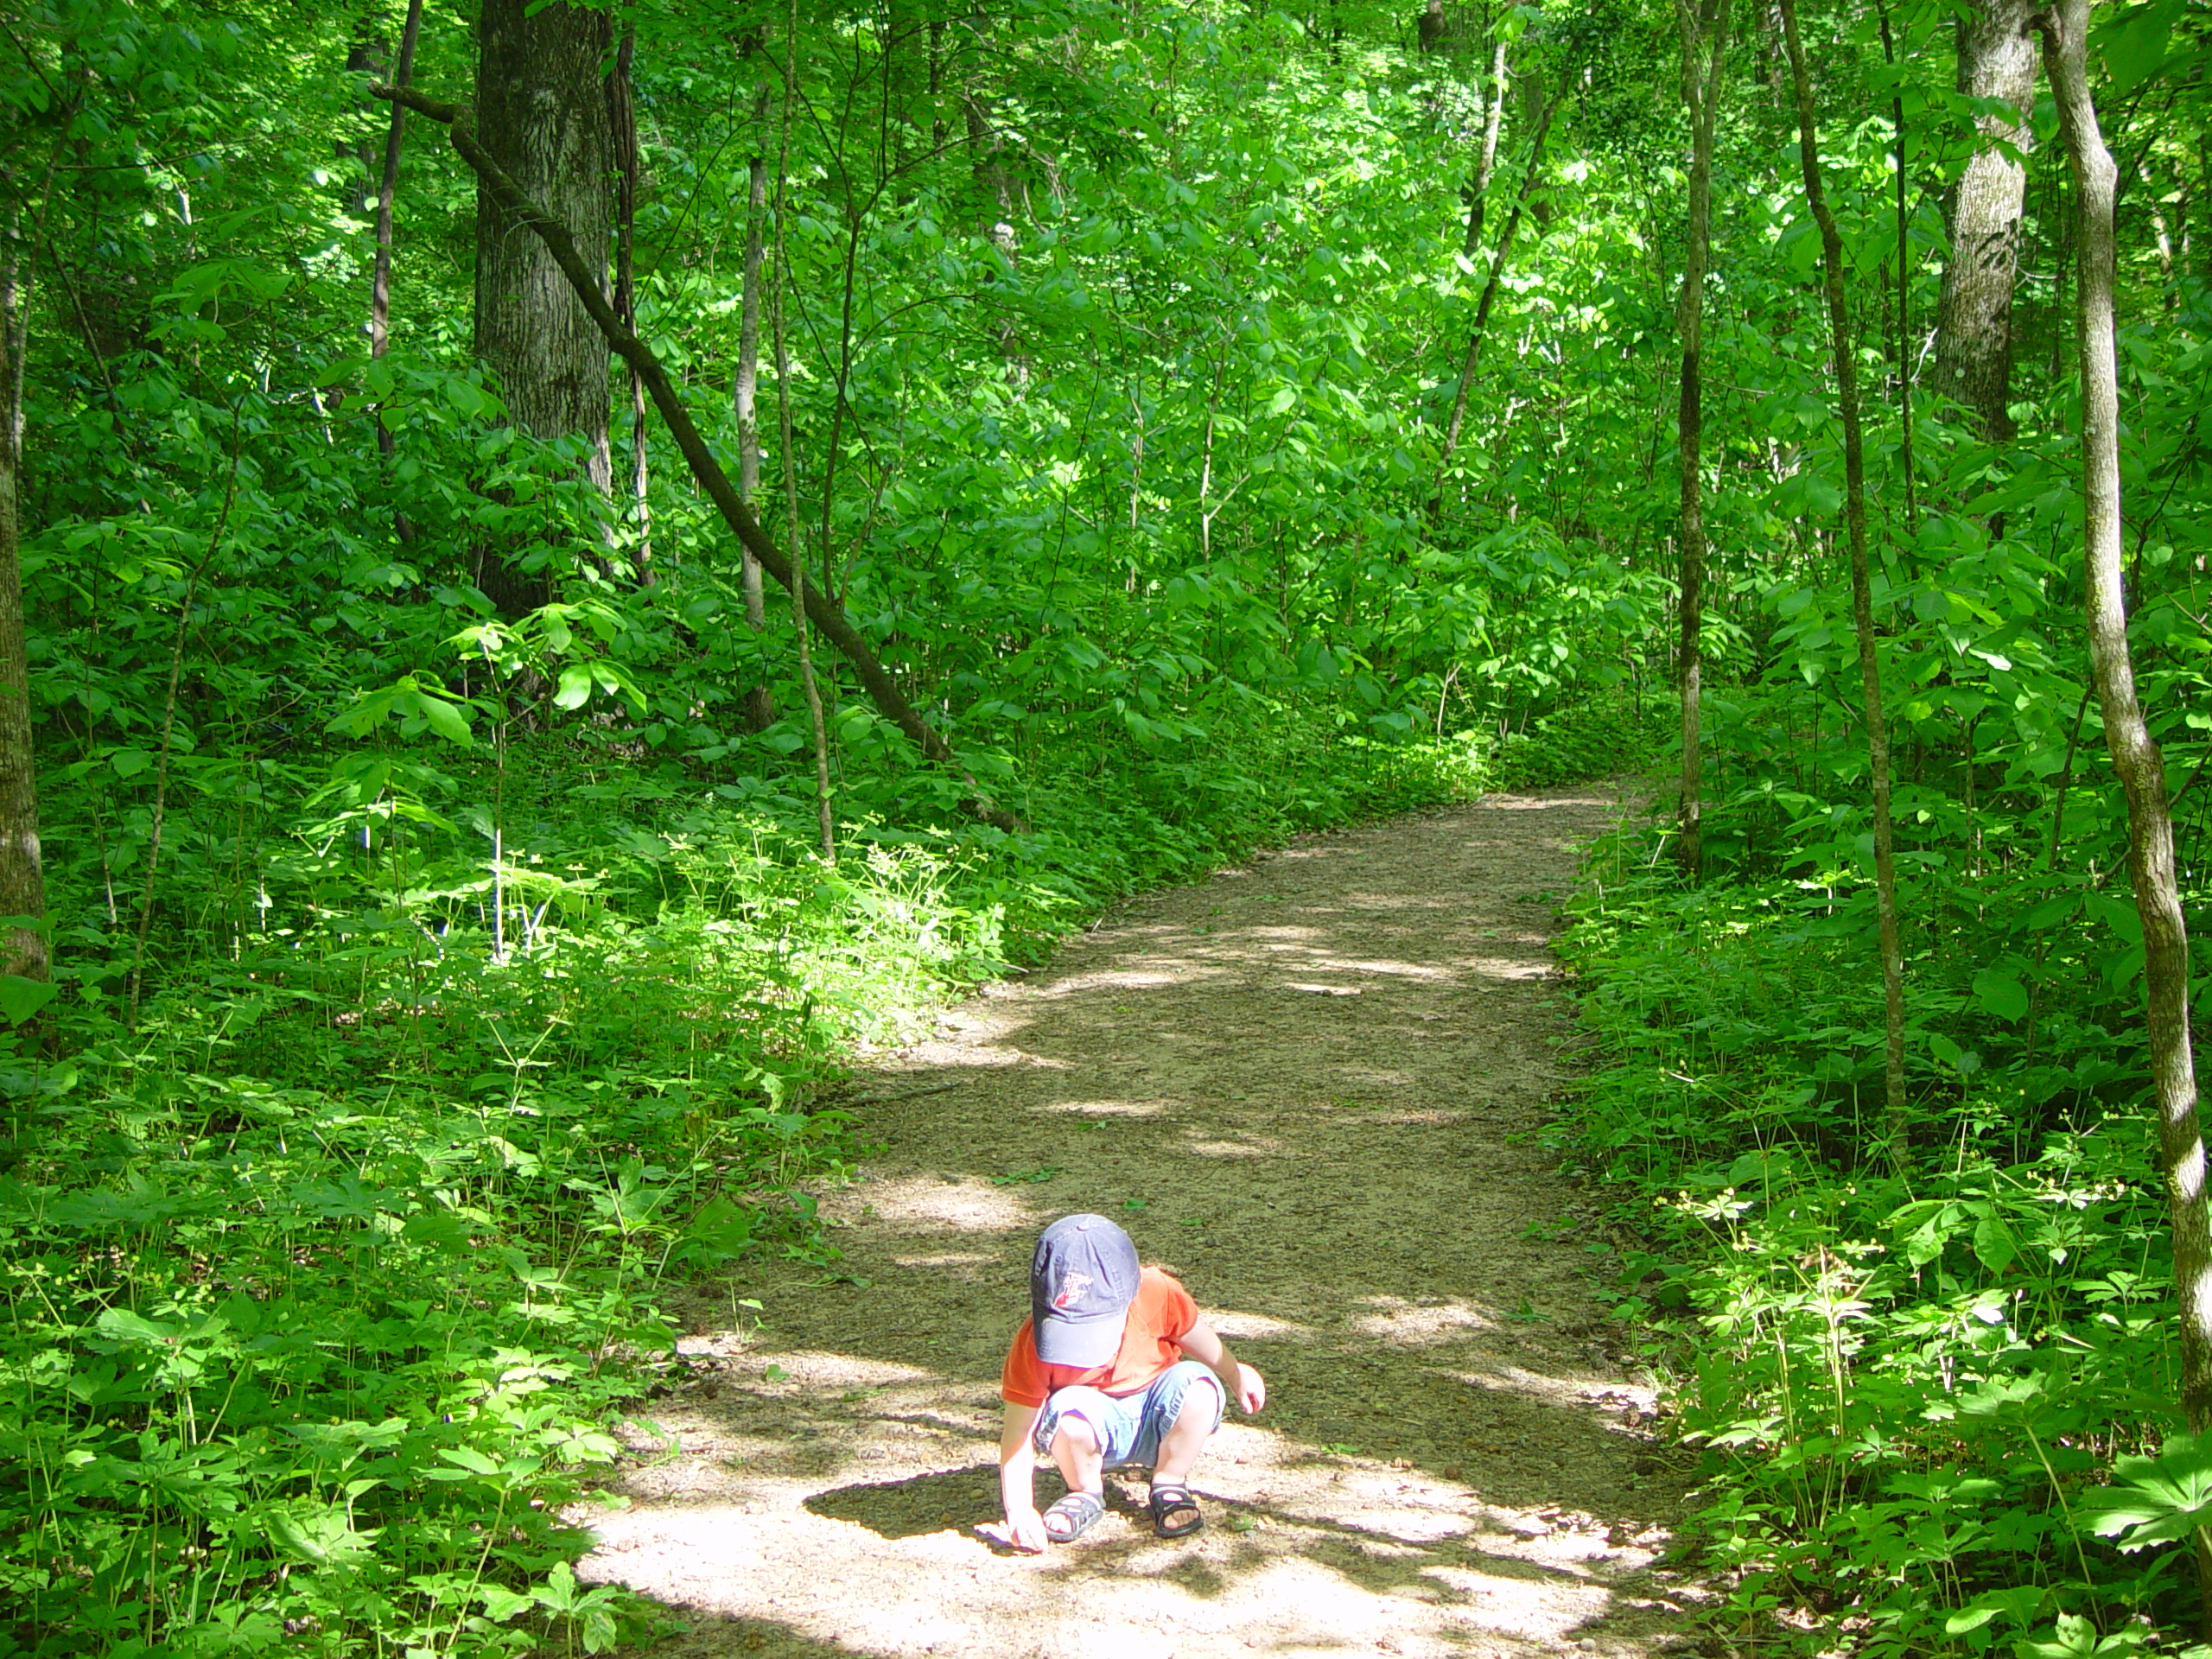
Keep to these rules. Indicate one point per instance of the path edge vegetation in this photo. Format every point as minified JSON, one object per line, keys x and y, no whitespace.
{"x":430,"y":1308}
{"x":424,"y":934}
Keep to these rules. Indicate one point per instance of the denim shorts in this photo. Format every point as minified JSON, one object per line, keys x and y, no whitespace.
{"x":1129,"y":1427}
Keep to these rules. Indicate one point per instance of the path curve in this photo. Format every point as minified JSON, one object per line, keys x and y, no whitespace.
{"x":1313,"y":1086}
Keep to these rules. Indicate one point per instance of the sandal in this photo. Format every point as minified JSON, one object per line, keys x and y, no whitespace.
{"x":1075,"y":1514}
{"x":1170,"y":1498}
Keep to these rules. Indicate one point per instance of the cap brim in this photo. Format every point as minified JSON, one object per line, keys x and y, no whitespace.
{"x":1086,"y":1343}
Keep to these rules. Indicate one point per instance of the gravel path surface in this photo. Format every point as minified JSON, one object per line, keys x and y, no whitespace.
{"x":1313,"y":1086}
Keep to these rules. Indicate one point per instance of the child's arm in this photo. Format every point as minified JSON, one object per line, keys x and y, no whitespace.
{"x":1244,"y":1384}
{"x":1017,"y":1461}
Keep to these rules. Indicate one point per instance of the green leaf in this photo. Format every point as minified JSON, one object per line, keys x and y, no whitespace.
{"x":2134,"y":43}
{"x":2156,"y":1500}
{"x":445,"y":717}
{"x":1993,"y":1243}
{"x":324,"y":1537}
{"x":575,"y":686}
{"x":2000,"y":994}
{"x":2051,"y":911}
{"x":469,"y":1457}
{"x":501,"y":1604}
{"x":126,"y":1327}
{"x":439,"y":1228}
{"x":21,"y":998}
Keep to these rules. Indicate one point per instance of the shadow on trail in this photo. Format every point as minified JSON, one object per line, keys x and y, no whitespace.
{"x":916,"y":1505}
{"x":1314,"y":1088}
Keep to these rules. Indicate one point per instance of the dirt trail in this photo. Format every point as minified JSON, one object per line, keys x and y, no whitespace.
{"x":1311,"y":1086}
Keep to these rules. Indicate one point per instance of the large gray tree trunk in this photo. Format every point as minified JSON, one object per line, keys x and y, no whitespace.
{"x":542,"y":114}
{"x":1973,"y":320}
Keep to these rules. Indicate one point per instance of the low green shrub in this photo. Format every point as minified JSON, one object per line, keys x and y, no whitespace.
{"x":328,"y":1276}
{"x":1603,"y":735}
{"x":1929,"y":1406}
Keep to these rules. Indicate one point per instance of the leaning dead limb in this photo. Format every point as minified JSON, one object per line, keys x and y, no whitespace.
{"x":821,"y":609}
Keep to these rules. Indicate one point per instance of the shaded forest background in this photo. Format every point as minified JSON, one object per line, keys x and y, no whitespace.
{"x":462,"y":874}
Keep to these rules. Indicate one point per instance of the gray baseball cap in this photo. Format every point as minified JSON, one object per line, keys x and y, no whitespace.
{"x":1081,"y":1283}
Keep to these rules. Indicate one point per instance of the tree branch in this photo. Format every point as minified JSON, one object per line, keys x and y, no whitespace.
{"x":822,"y":610}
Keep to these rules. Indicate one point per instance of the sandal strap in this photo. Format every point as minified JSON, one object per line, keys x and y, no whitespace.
{"x":1168,"y":1496}
{"x":1078,"y":1510}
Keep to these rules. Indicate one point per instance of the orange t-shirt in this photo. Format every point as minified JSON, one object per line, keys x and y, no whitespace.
{"x":1162,"y":1316}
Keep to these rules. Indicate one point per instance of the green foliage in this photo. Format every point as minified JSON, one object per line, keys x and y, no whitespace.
{"x":484,"y":957}
{"x":1923,"y":1401}
{"x":330,"y":1284}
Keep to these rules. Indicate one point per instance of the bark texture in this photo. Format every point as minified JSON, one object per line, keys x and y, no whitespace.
{"x":745,"y":399}
{"x":2135,"y":756}
{"x":1904,"y":295}
{"x":394,"y":137}
{"x":1705,"y":40}
{"x":541,"y":116}
{"x":622,"y":121}
{"x":387,"y":188}
{"x":1486,"y":157}
{"x":818,"y":729}
{"x":22,"y":878}
{"x":1862,"y":592}
{"x":1973,"y":319}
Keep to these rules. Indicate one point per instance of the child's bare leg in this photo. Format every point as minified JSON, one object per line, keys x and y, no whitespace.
{"x":1075,"y":1454}
{"x":1194,"y":1425}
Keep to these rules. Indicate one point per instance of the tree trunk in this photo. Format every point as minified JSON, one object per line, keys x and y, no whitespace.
{"x":994,"y":190}
{"x":1905,"y":463}
{"x":744,"y":391}
{"x":1537,"y":106}
{"x":1486,"y":158}
{"x":22,"y":878}
{"x":1483,"y":307}
{"x":1862,"y":600}
{"x":380,"y":283}
{"x":2135,"y":757}
{"x":1705,"y":41}
{"x":824,"y":612}
{"x":622,"y":123}
{"x":365,"y":55}
{"x":541,"y":117}
{"x":395,"y":135}
{"x":818,"y":729}
{"x":1974,"y":318}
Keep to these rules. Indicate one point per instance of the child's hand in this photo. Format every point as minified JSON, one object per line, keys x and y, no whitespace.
{"x":1251,"y":1387}
{"x":1025,"y":1530}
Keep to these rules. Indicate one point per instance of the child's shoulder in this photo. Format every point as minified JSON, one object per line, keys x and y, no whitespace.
{"x":1156,"y":1283}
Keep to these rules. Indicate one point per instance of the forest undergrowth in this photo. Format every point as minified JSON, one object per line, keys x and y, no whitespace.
{"x":329,"y":1272}
{"x":1188,"y":425}
{"x":1933,"y":1400}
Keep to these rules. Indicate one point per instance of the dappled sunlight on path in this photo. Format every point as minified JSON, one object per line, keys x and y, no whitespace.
{"x":1312,"y":1086}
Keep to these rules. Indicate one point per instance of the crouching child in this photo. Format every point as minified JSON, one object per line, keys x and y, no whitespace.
{"x":1113,"y":1368}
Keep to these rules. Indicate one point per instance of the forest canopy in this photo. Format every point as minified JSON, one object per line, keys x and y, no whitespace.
{"x":561,"y":564}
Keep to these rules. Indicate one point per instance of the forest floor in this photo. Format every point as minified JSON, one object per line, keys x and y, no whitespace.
{"x":1315,"y":1087}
